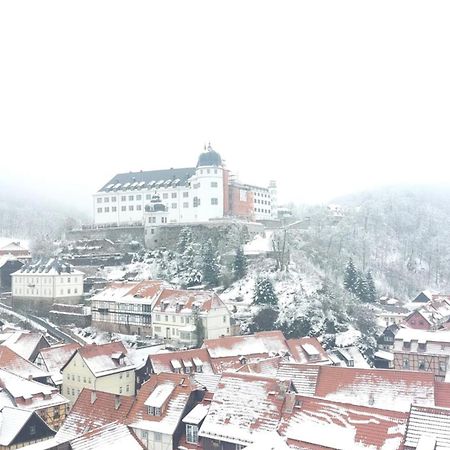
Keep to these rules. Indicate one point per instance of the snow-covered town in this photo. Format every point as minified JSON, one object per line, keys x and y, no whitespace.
{"x":224,"y":225}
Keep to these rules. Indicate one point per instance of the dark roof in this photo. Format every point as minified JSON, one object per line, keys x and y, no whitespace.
{"x":47,"y":266}
{"x":209,"y":158}
{"x":148,"y":179}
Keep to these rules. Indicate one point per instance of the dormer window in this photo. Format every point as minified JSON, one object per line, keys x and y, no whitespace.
{"x":152,"y":411}
{"x":422,"y":346}
{"x":407,"y":345}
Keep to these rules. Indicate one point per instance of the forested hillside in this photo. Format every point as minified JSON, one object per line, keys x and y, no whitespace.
{"x":402,"y":235}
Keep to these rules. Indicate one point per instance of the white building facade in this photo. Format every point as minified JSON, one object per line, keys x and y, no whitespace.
{"x":194,"y":194}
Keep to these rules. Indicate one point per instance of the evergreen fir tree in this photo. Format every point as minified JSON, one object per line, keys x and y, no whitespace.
{"x":210,"y":264}
{"x":371,"y":290}
{"x":351,"y":277}
{"x":265,"y":292}
{"x":184,"y":240}
{"x":264,"y":320}
{"x":361,"y":287}
{"x":239,"y":264}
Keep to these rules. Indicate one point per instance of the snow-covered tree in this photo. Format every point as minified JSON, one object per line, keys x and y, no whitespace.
{"x":199,"y":328}
{"x":371,"y":296}
{"x":239,"y":264}
{"x":210,"y":264}
{"x":351,"y":277}
{"x":361,"y":287}
{"x":264,"y":320}
{"x":264,"y":292}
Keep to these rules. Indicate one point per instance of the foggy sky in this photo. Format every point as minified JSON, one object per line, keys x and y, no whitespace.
{"x":325,"y":97}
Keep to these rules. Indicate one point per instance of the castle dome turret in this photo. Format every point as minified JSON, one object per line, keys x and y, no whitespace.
{"x":209,"y":158}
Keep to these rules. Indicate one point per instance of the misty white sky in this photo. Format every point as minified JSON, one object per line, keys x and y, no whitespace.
{"x":326,"y":97}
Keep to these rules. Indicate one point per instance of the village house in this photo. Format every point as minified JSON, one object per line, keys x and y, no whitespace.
{"x":26,"y":343}
{"x":30,"y":395}
{"x":16,"y":250}
{"x":423,"y":350}
{"x":126,"y":307}
{"x":315,"y":423}
{"x":21,"y":427}
{"x":52,"y":360}
{"x":156,"y":415}
{"x":186,"y":317}
{"x":94,"y":409}
{"x":242,"y":406}
{"x":35,"y":287}
{"x":12,"y":362}
{"x":104,"y":367}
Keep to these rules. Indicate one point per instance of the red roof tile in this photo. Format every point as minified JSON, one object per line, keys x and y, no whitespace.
{"x":187,"y":359}
{"x":442,"y":394}
{"x":315,"y":423}
{"x":307,"y":350}
{"x":15,"y":363}
{"x":186,"y":300}
{"x":93,"y":409}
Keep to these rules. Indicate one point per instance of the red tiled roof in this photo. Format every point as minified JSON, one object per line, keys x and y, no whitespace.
{"x":99,"y":358}
{"x":173,"y":408}
{"x":442,"y":394}
{"x":242,"y":405}
{"x":55,"y":357}
{"x":391,"y":389}
{"x":298,"y":349}
{"x":318,"y":424}
{"x":205,"y":300}
{"x":26,"y":343}
{"x":18,"y":365}
{"x":162,"y":362}
{"x":93,"y":409}
{"x":267,"y":366}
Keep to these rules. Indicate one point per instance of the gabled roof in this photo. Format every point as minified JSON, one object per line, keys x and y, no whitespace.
{"x":108,"y":437}
{"x":427,"y":424}
{"x":55,"y":357}
{"x":307,"y":350}
{"x":93,"y":409}
{"x":243,"y":405}
{"x":196,"y":360}
{"x":143,"y":180}
{"x":316,"y":423}
{"x":28,"y":394}
{"x":25,"y":343}
{"x":173,"y":407}
{"x":184,"y":301}
{"x":104,"y":359}
{"x":266,"y":366}
{"x":12,"y":422}
{"x":412,"y":334}
{"x":15,"y":363}
{"x":52,"y":266}
{"x":304,"y":377}
{"x":127,"y":292}
{"x":268,"y":343}
{"x":389,"y":389}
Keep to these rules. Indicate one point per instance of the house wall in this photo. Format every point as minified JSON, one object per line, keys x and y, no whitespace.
{"x":217,"y":323}
{"x":26,"y":436}
{"x":76,"y":376}
{"x":212,"y":444}
{"x":148,"y":439}
{"x":54,"y":416}
{"x":417,"y":321}
{"x":438,"y":364}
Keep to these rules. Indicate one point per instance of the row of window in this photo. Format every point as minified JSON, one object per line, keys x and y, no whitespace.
{"x":421,"y":365}
{"x":45,"y":279}
{"x":44,"y":292}
{"x":261,"y":210}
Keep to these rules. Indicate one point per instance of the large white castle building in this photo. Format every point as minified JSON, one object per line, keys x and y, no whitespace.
{"x":188,"y":195}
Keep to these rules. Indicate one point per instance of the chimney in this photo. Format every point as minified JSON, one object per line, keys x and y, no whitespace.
{"x":93,"y":397}
{"x":117,"y":402}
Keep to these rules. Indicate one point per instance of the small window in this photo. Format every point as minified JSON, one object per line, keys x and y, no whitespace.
{"x":406,"y":363}
{"x":165,"y":196}
{"x":214,"y":184}
{"x":131,"y":208}
{"x":123,"y":198}
{"x":185,"y":204}
{"x":138,"y":197}
{"x":99,"y":210}
{"x":131,"y":198}
{"x":174,"y":195}
{"x":174,"y":205}
{"x":191,"y":434}
{"x":138,"y":207}
{"x":185,"y":194}
{"x":124,"y":208}
{"x":214,"y":201}
{"x":32,"y":430}
{"x":158,"y":437}
{"x":99,"y":200}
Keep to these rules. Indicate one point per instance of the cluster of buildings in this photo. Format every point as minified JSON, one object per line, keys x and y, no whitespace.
{"x":250,"y":392}
{"x":206,"y":192}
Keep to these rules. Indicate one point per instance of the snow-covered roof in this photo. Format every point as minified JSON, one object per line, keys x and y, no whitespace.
{"x":130,"y":292}
{"x":428,"y":428}
{"x":197,"y":414}
{"x":264,"y":343}
{"x":52,"y":266}
{"x":25,"y":343}
{"x":160,"y":395}
{"x":54,"y":358}
{"x":382,"y":354}
{"x":12,"y":421}
{"x":15,"y":363}
{"x":394,"y":390}
{"x":317,"y":423}
{"x":28,"y":394}
{"x":268,"y":441}
{"x":304,"y":378}
{"x":184,"y":301}
{"x":174,"y":406}
{"x":411,"y":334}
{"x":194,"y":360}
{"x":105,"y":359}
{"x":307,"y":350}
{"x":112,"y":436}
{"x":242,"y":405}
{"x":93,"y":409}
